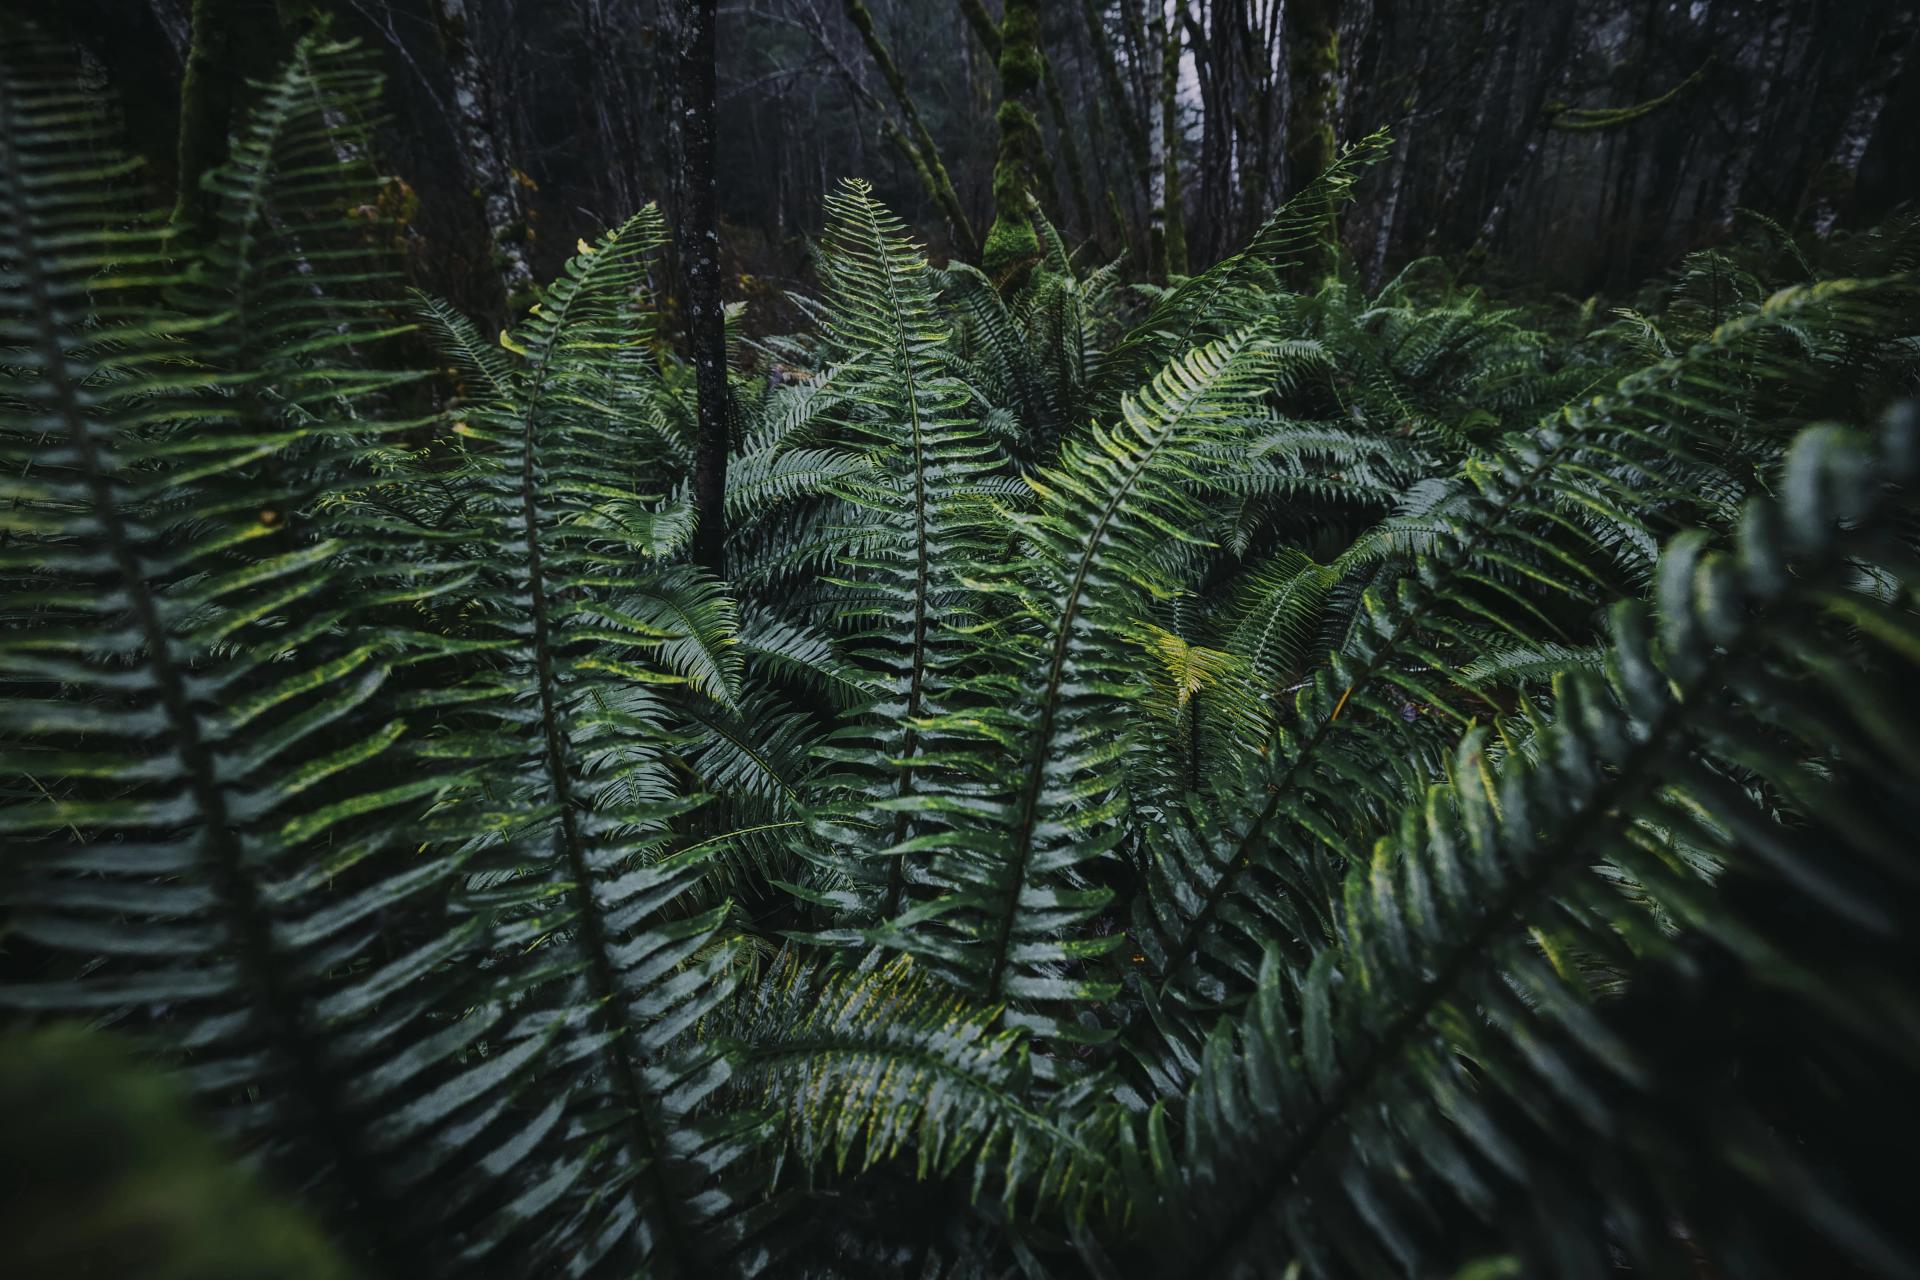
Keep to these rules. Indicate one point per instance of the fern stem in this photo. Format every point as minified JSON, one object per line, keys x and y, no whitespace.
{"x":649,"y":1145}
{"x":1042,"y":748}
{"x":922,"y":569}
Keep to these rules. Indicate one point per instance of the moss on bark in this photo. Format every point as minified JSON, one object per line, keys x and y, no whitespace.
{"x":1021,"y":168}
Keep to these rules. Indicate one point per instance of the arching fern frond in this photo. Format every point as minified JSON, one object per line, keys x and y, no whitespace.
{"x":1216,"y":300}
{"x":909,"y":599}
{"x":202,"y":662}
{"x":1015,"y":898}
{"x":1510,"y":551}
{"x":1449,"y":1028}
{"x":880,"y":1061}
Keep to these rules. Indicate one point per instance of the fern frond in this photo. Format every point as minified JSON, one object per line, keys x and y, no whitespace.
{"x":1481,"y":898}
{"x":219,"y":849}
{"x":1213,"y":301}
{"x":1015,"y":899}
{"x":1510,"y":544}
{"x":569,"y":741}
{"x":881,"y":1061}
{"x":909,"y":579}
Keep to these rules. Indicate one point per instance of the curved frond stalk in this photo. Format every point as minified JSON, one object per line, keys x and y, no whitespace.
{"x":910,"y":574}
{"x":565,"y":730}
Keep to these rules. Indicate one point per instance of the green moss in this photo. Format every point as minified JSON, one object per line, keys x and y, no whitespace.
{"x":1020,"y":65}
{"x":1012,"y":242}
{"x":1010,"y":247}
{"x":1020,"y":68}
{"x":105,"y":1172}
{"x":1561,"y":116}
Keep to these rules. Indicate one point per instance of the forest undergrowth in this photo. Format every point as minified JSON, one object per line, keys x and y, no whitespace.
{"x":1249,"y":775}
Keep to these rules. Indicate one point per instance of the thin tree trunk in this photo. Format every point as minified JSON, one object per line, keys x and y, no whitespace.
{"x":1313,"y":66}
{"x":983,"y":26}
{"x":1313,"y":70}
{"x":1174,"y":238}
{"x":1069,"y":152}
{"x":232,"y":42}
{"x":1838,"y":177}
{"x":989,"y":36}
{"x":1390,"y":204}
{"x":932,"y":171}
{"x":175,"y":24}
{"x":1012,"y":242}
{"x":484,"y":154}
{"x":1124,"y":115}
{"x":1156,"y":176}
{"x":699,"y":236}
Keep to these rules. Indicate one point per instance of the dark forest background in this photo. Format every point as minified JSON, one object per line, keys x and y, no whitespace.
{"x":1575,"y":145}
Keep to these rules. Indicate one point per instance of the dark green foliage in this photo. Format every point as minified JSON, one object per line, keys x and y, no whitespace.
{"x":1219,"y":783}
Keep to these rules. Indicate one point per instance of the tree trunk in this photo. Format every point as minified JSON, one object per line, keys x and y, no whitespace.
{"x":699,"y":237}
{"x":1173,"y":259}
{"x":1836,"y":180}
{"x":989,"y":36}
{"x":232,"y":42}
{"x":1313,"y":69}
{"x":1069,"y":152}
{"x":1313,"y":66}
{"x":932,"y":171}
{"x":483,"y":152}
{"x":1124,"y":114}
{"x":1012,"y":243}
{"x":983,"y":26}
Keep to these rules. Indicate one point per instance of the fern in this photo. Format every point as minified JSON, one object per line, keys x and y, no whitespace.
{"x":1224,"y":785}
{"x":1484,"y":895}
{"x":201,"y":662}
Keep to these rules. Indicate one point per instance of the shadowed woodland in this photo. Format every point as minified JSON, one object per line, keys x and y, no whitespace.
{"x":1109,"y":639}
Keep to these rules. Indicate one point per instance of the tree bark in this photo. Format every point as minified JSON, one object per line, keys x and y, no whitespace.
{"x":1124,"y":115}
{"x":483,"y":152}
{"x":1173,"y":259}
{"x":989,"y":36}
{"x":1012,"y":243}
{"x":983,"y":26}
{"x":1313,"y":70}
{"x":232,"y":41}
{"x":932,"y":171}
{"x":1313,"y":67}
{"x":699,"y":237}
{"x":1069,"y":152}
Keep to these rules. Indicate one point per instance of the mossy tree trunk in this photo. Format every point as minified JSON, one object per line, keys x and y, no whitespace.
{"x":1313,"y":69}
{"x":1021,"y":167}
{"x":989,"y":36}
{"x":925,"y":156}
{"x":1173,"y":217}
{"x":233,"y":41}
